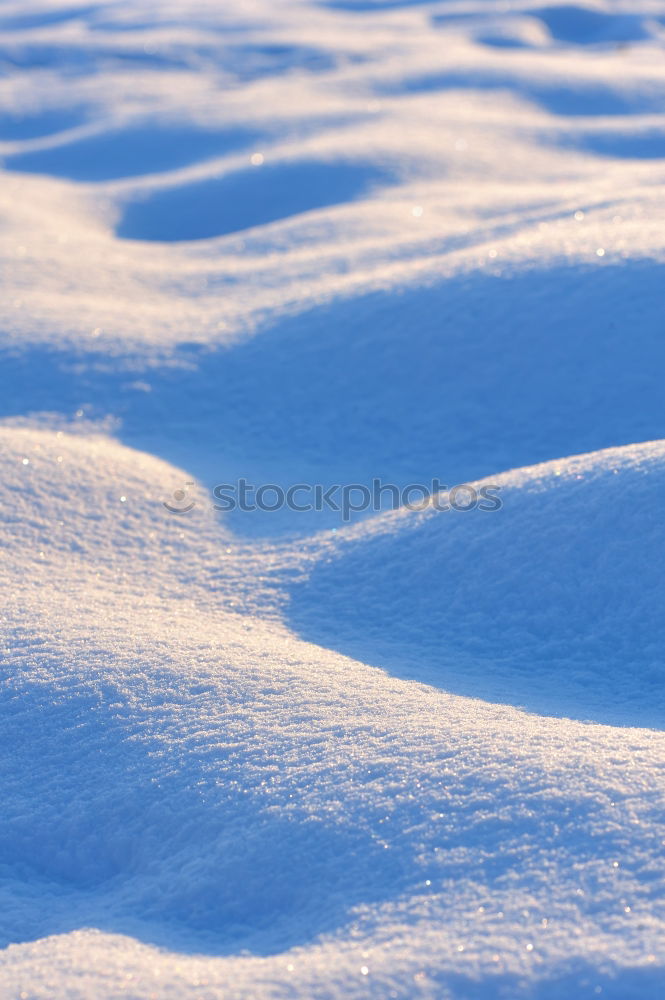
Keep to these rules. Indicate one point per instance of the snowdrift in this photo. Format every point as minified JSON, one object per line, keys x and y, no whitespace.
{"x":320,"y":241}
{"x":193,"y":796}
{"x":553,"y":601}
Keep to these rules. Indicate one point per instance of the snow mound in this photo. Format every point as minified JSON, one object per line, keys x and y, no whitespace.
{"x":191,"y":795}
{"x":115,"y":810}
{"x":554,"y":600}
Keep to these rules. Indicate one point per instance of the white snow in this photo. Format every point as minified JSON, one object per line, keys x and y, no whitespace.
{"x":270,"y":755}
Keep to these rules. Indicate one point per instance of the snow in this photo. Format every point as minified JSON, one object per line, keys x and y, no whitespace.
{"x":271,"y":755}
{"x":554,"y":602}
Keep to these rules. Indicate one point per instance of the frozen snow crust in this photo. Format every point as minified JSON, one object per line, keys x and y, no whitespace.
{"x":267,"y":756}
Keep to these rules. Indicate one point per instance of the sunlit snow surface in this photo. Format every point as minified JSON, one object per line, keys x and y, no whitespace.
{"x":271,"y":755}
